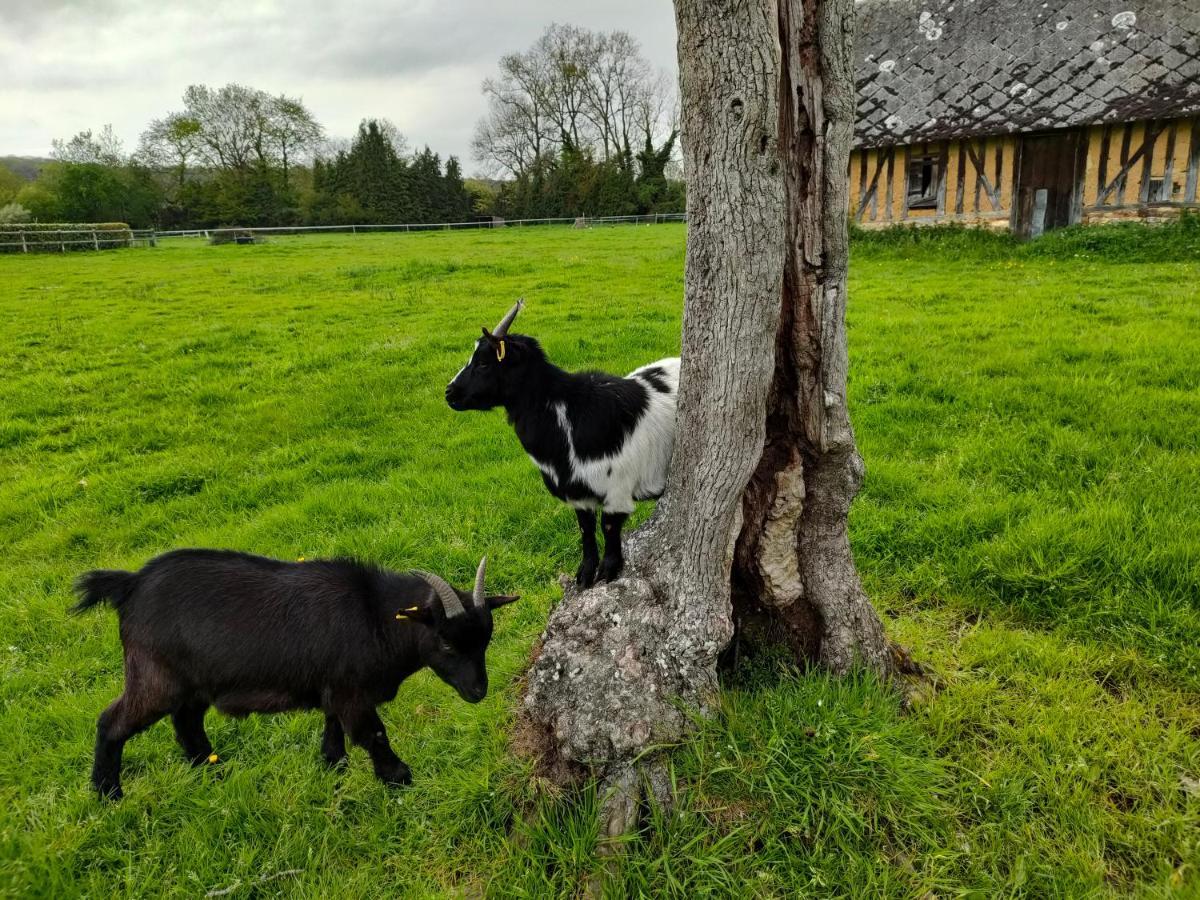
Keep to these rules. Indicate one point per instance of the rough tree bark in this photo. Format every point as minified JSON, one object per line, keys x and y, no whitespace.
{"x":753,"y":527}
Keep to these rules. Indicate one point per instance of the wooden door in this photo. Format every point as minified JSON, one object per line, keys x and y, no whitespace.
{"x":1048,"y":182}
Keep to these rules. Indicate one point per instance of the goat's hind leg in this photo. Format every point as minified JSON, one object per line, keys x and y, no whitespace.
{"x":188,"y":720}
{"x":151,"y":692}
{"x":125,"y":717}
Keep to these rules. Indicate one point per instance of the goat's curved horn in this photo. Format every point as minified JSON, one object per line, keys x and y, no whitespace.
{"x":478,"y":596}
{"x":451,"y":605}
{"x":502,"y":329}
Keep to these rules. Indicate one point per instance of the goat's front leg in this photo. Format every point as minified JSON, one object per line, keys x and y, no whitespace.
{"x":614,"y":559}
{"x":585,"y":577}
{"x":333,"y":741}
{"x":366,"y":729}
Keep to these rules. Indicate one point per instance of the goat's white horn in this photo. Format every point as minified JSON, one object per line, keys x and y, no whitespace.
{"x":478,"y":595}
{"x":450,"y":603}
{"x":502,"y":329}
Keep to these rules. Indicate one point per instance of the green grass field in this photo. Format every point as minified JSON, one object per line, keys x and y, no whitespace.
{"x":1030,"y":526}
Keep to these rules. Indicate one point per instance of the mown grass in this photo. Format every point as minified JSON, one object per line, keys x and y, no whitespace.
{"x":1030,"y":526}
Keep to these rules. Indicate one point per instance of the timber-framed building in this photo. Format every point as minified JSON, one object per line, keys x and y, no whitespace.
{"x":1025,"y":114}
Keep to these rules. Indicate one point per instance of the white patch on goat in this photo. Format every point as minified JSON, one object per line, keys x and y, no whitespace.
{"x":478,"y":341}
{"x":548,"y":470}
{"x":639,"y":467}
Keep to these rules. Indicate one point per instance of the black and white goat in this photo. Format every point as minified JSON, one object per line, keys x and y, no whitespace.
{"x":601,"y":442}
{"x":249,"y":634}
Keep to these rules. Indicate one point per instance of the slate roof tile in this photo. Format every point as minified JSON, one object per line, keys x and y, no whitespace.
{"x":1001,"y":66}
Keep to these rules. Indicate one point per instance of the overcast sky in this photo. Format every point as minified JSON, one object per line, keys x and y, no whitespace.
{"x":67,"y":65}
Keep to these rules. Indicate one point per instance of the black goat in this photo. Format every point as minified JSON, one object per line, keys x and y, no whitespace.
{"x":249,"y":634}
{"x":599,"y":440}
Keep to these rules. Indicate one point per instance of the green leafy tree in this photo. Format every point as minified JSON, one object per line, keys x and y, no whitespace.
{"x":425,"y":178}
{"x":10,"y":185}
{"x":11,"y":213}
{"x":94,"y":192}
{"x":459,"y":203}
{"x":172,"y":142}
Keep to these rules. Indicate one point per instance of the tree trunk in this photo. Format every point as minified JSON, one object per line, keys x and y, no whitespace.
{"x":753,"y":527}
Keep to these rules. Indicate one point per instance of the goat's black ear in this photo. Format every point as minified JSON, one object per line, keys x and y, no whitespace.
{"x":492,"y":339}
{"x":495,"y":601}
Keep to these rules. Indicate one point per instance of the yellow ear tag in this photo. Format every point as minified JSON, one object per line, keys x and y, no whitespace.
{"x":500,"y":351}
{"x":214,"y":758}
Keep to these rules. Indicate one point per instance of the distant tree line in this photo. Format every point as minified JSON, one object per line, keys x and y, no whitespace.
{"x":578,"y":124}
{"x":581,"y":124}
{"x":376,"y":181}
{"x":238,"y":156}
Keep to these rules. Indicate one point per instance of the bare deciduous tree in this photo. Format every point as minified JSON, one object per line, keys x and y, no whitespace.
{"x":595,"y":88}
{"x":752,"y":532}
{"x":172,"y":141}
{"x":517,"y":130}
{"x":104,"y":148}
{"x":292,"y":129}
{"x":228,"y":124}
{"x":569,"y":55}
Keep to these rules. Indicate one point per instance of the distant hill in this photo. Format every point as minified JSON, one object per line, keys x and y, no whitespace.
{"x":25,"y":166}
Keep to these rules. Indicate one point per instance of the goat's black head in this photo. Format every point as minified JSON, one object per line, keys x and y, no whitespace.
{"x":498,"y":366}
{"x":460,"y":628}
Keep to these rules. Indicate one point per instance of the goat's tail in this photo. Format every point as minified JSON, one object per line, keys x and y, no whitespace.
{"x":99,"y":585}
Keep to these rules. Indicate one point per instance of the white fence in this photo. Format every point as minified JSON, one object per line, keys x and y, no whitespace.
{"x":582,"y":222}
{"x":15,"y":239}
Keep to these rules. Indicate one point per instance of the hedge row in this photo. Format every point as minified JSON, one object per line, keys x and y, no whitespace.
{"x":55,"y":237}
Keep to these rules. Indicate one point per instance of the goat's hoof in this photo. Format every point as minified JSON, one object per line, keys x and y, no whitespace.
{"x":333,"y":761}
{"x":397,"y":776}
{"x":109,"y":790}
{"x":610,"y":569}
{"x":586,"y":576}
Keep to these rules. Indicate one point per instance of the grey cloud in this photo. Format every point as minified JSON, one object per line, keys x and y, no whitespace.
{"x":416,"y":61}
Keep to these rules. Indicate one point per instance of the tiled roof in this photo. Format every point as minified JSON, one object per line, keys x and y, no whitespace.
{"x":936,"y":69}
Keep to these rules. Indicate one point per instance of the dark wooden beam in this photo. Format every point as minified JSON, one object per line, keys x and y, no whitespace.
{"x":1193,"y":172}
{"x":943,"y":159}
{"x":1142,"y":152}
{"x":1168,"y":184}
{"x":980,"y":164}
{"x":1119,"y":181}
{"x":1102,"y":175}
{"x":891,"y":191}
{"x":869,"y":195}
{"x":962,"y":177}
{"x":1155,"y":129}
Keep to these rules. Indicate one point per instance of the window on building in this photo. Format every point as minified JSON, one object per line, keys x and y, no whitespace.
{"x":1162,"y":191}
{"x":923,"y":182}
